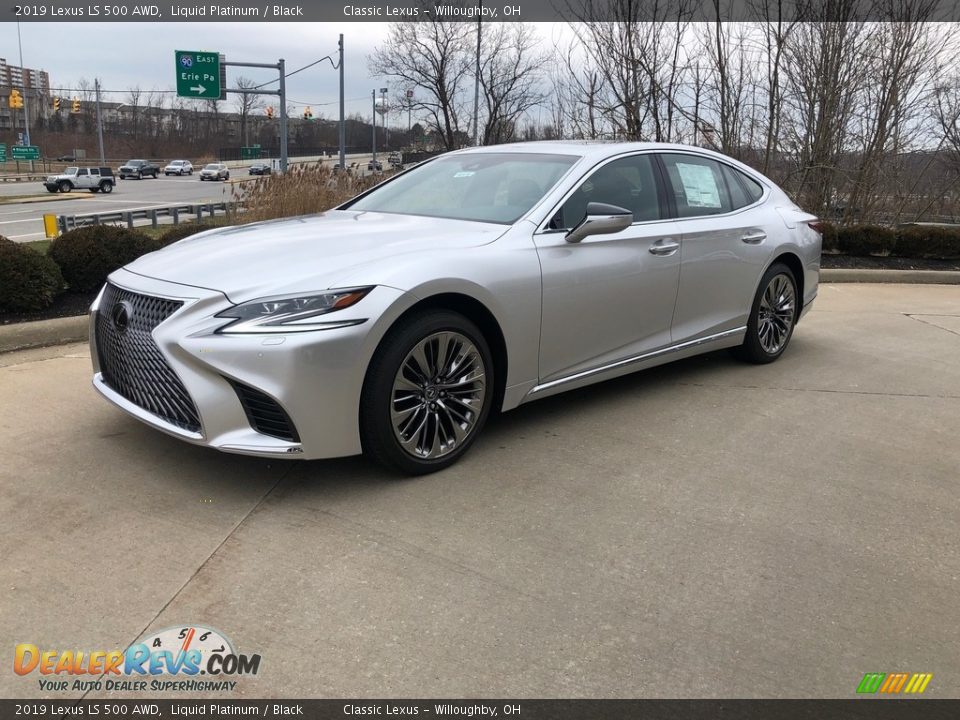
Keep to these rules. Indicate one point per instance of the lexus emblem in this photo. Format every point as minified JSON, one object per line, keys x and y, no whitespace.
{"x":121,"y":315}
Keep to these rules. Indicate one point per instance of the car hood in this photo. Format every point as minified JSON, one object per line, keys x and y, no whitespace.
{"x":308,"y":253}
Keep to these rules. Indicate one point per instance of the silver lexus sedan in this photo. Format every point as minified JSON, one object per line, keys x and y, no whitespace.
{"x":481,"y":279}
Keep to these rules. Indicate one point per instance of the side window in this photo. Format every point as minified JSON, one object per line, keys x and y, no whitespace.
{"x":94,"y":171}
{"x":627,"y":182}
{"x":744,"y":190}
{"x":81,"y":172}
{"x":697,"y":185}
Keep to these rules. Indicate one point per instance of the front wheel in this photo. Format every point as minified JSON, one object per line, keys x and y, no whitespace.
{"x":772,"y":316}
{"x":65,"y":186}
{"x":427,"y":394}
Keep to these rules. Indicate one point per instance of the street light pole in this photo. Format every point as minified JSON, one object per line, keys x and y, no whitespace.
{"x":373,"y":95}
{"x":96,"y":86}
{"x":476,"y":85}
{"x":23,"y":86}
{"x":386,"y":129}
{"x":343,"y":131}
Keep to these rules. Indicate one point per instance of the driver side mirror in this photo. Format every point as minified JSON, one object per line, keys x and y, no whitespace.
{"x":601,"y":219}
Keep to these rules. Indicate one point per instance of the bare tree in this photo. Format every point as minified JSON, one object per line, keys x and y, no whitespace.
{"x":902,"y":66}
{"x":825,"y":68}
{"x":511,"y":78}
{"x":433,"y":56}
{"x":635,"y":48}
{"x":246,"y":103}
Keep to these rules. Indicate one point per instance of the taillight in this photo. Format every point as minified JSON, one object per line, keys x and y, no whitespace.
{"x":816,"y":225}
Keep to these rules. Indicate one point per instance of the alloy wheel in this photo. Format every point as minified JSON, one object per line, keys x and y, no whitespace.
{"x":438,"y":395}
{"x":777,"y":313}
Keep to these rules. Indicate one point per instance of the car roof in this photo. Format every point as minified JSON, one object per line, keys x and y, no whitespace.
{"x":597,"y":149}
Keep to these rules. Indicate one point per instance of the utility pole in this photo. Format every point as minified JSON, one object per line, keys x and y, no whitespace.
{"x":96,"y":86}
{"x":343,"y":127}
{"x":373,"y":94}
{"x":476,"y":84}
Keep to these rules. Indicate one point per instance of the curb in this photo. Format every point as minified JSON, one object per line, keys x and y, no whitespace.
{"x":918,"y":277}
{"x":61,"y":331}
{"x":41,"y":333}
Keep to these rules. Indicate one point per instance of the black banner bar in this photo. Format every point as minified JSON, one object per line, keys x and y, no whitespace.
{"x":458,"y":10}
{"x":167,"y":709}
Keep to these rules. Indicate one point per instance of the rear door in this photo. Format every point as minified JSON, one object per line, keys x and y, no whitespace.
{"x":724,"y":230}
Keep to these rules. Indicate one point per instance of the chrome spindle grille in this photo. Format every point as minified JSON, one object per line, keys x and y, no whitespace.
{"x":130,"y":361}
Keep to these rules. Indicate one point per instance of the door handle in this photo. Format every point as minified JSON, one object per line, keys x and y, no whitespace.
{"x":664,"y":246}
{"x":754,"y":238}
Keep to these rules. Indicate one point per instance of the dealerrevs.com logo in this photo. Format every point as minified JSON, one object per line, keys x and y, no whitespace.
{"x":171,"y":659}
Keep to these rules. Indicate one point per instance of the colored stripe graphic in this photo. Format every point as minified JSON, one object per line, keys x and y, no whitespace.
{"x":918,"y":683}
{"x":893,"y":683}
{"x":871,"y":682}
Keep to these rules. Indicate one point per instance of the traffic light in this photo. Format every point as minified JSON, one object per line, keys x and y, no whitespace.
{"x":307,"y":113}
{"x":76,"y":105}
{"x":56,"y":104}
{"x":270,"y":111}
{"x":16,"y":99}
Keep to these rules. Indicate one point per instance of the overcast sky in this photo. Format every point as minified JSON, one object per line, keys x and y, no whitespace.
{"x":124,"y":55}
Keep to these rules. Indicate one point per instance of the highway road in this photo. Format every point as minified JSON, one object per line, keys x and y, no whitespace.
{"x":23,"y":204}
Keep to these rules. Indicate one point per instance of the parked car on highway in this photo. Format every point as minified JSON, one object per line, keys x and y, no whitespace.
{"x":374,"y":165}
{"x":138,"y":169}
{"x":484,"y":278}
{"x":215,"y":171}
{"x":67,"y":158}
{"x":178,"y":167}
{"x":260,"y":169}
{"x":94,"y":179}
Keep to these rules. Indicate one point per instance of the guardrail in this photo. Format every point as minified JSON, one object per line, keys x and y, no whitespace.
{"x":198,"y":210}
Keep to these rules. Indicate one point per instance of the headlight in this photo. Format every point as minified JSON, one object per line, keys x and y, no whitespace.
{"x":292,"y":314}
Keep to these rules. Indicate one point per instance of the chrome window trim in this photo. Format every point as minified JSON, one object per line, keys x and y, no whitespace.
{"x":542,"y":228}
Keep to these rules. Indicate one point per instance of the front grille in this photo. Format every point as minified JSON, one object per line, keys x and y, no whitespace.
{"x":265,"y":414}
{"x":132,"y":364}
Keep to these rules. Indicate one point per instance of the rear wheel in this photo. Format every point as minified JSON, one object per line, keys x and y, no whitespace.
{"x":427,"y":394}
{"x":772,"y":316}
{"x":106,"y":187}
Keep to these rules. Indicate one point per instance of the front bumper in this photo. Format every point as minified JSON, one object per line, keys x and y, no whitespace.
{"x":315,"y":377}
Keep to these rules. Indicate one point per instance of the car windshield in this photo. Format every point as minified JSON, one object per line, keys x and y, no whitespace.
{"x":212,"y":166}
{"x":137,"y":162}
{"x":487,"y":187}
{"x":177,"y":162}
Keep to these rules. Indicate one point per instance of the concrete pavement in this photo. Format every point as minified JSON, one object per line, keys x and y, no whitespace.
{"x":705,"y":529}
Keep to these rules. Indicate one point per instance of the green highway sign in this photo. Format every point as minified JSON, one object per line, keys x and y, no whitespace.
{"x":198,"y":74}
{"x":3,"y":152}
{"x":25,"y":152}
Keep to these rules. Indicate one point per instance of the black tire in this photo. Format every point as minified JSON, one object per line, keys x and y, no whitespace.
{"x":226,"y":177}
{"x":52,"y":189}
{"x":94,"y":189}
{"x":123,"y":177}
{"x":378,"y":436}
{"x":65,"y":186}
{"x":106,"y":187}
{"x":759,"y":346}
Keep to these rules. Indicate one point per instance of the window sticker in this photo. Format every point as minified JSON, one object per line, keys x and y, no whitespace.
{"x":700,"y":185}
{"x":464,"y":173}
